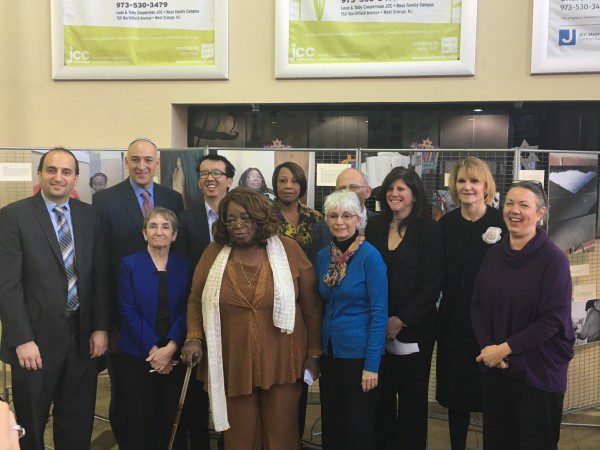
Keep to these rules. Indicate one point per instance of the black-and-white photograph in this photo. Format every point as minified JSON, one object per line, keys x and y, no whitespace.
{"x":573,"y":197}
{"x":586,"y":321}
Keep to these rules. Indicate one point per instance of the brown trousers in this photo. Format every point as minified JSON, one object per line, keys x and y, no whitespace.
{"x":266,"y":419}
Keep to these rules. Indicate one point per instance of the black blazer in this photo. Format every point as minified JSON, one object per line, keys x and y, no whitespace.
{"x":33,"y":281}
{"x":415,"y":278}
{"x":193,"y":235}
{"x":122,"y":220}
{"x":321,"y":237}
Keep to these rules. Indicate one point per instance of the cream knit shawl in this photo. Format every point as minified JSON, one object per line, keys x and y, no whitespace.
{"x":284,"y":317}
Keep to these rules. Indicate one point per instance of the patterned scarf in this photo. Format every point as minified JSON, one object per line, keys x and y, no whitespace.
{"x":339,"y":262}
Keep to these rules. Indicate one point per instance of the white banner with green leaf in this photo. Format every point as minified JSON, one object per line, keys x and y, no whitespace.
{"x":137,"y":34}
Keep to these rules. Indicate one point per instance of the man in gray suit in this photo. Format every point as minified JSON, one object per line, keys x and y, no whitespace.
{"x":53,"y":305}
{"x":355,"y":181}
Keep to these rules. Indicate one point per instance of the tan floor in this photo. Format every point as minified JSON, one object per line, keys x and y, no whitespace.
{"x":572,"y":438}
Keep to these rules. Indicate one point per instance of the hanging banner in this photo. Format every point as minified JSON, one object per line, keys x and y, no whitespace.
{"x":139,"y":39}
{"x":352,"y":38}
{"x":566,"y":36}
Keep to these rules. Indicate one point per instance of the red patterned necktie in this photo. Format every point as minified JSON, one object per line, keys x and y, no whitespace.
{"x":147,"y":205}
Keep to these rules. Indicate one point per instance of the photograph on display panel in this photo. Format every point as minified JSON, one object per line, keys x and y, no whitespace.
{"x":573,"y":198}
{"x":179,"y":171}
{"x":586,"y":321}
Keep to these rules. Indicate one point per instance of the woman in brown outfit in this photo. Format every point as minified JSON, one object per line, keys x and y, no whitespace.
{"x":255,"y":315}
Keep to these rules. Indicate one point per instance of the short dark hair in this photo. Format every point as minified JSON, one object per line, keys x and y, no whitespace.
{"x":414,"y":183}
{"x":297,"y":173}
{"x":229,"y":169}
{"x":57,"y":149}
{"x":258,"y":208}
{"x":98,"y":174}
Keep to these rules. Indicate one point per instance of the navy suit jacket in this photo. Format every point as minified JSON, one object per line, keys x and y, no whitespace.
{"x":193,"y":236}
{"x":138,"y":301}
{"x":122,"y":220}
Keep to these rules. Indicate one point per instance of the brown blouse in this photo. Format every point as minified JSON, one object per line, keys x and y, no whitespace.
{"x":255,"y":352}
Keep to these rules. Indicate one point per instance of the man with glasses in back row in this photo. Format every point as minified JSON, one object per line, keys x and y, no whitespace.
{"x":215,"y":177}
{"x":355,"y":181}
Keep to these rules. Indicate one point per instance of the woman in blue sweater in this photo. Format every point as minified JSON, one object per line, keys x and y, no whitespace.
{"x":521,"y":314}
{"x":353,"y":283}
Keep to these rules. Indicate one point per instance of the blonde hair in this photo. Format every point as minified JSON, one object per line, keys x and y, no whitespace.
{"x":474,"y":167}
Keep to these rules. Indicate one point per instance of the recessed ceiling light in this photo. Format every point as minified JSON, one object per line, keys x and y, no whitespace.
{"x":478,"y":110}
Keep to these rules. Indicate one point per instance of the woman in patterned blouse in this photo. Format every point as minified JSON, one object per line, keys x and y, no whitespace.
{"x":296,"y":220}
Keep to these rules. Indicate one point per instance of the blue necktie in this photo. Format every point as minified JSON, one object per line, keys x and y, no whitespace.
{"x":67,"y":248}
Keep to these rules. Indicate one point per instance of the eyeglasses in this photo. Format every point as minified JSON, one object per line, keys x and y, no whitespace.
{"x":155,"y":227}
{"x":215,"y":173}
{"x":243,"y":221}
{"x":352,"y":187}
{"x":528,"y":184}
{"x":345,"y":217}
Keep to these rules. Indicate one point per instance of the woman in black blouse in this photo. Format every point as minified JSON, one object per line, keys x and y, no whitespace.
{"x":468,"y":233}
{"x":410,"y":243}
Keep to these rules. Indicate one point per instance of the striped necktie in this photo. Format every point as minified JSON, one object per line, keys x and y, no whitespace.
{"x":67,"y":248}
{"x":147,"y":204}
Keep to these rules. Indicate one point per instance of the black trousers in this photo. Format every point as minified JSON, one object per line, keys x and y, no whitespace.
{"x":402,"y":414}
{"x":196,"y":414}
{"x":116,"y":413}
{"x":518,"y":416}
{"x":347,"y":413}
{"x":150,"y":401}
{"x":69,"y":384}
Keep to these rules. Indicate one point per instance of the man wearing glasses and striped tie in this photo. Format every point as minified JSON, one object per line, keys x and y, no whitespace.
{"x":53,"y":305}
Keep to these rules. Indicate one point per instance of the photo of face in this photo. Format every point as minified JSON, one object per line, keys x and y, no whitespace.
{"x":254,"y":180}
{"x":98,"y":182}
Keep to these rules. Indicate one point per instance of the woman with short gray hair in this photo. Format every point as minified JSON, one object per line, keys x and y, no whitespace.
{"x":353,"y":284}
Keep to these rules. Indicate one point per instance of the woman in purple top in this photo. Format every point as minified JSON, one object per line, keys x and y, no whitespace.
{"x":521,"y":313}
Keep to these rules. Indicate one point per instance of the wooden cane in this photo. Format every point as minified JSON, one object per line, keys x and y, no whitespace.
{"x":186,"y":381}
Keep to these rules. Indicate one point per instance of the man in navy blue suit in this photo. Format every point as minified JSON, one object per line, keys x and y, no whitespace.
{"x":121,"y":209}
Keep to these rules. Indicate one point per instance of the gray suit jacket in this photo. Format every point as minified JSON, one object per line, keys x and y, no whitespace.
{"x":33,"y":281}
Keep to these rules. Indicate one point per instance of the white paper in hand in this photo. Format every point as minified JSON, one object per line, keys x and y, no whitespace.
{"x":308,"y":379}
